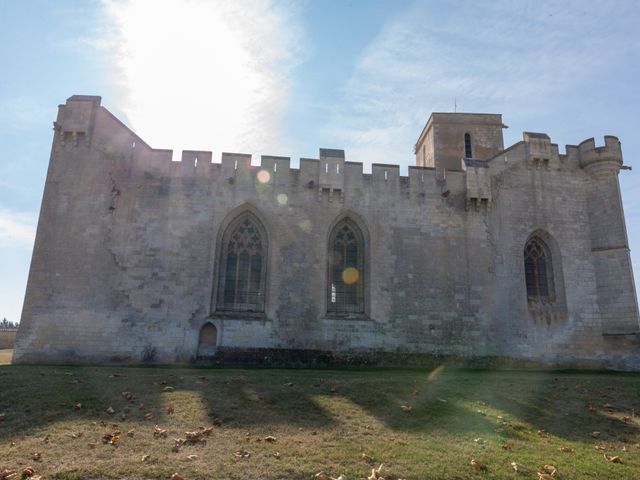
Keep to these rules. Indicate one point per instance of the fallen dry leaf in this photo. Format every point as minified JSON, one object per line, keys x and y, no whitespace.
{"x":112,"y":438}
{"x":2,"y":417}
{"x":28,"y":472}
{"x":477,"y":464}
{"x":545,"y":476}
{"x":128,"y":396}
{"x":110,"y":410}
{"x":516,"y":466}
{"x":6,"y":472}
{"x":177,"y":443}
{"x":131,"y":433}
{"x":145,"y":458}
{"x":542,"y":432}
{"x":168,"y":389}
{"x":625,"y":448}
{"x":170,"y":410}
{"x":37,"y":456}
{"x":77,"y":407}
{"x":375,"y":473}
{"x":595,"y":434}
{"x":241,"y":453}
{"x":276,"y":455}
{"x":599,"y":447}
{"x":197,"y":436}
{"x":612,"y":458}
{"x":175,"y":476}
{"x":148,"y":416}
{"x":565,"y":449}
{"x":192,"y":457}
{"x":406,"y":408}
{"x":270,"y":438}
{"x":367,"y":458}
{"x":548,"y":469}
{"x":505,"y":446}
{"x":159,"y":432}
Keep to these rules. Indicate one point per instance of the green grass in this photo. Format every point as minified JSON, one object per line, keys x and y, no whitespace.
{"x":323,"y":420}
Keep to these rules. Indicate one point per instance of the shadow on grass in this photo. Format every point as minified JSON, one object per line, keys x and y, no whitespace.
{"x":403,"y":400}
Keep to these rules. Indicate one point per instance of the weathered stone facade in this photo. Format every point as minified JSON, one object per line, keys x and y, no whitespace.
{"x":132,"y":257}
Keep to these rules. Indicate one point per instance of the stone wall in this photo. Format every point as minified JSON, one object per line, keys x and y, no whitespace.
{"x":7,"y":338}
{"x":128,"y":243}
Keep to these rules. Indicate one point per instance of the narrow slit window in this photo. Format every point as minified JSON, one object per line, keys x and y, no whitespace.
{"x":468,"y":153}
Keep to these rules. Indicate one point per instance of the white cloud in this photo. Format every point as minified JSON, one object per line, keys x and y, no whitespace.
{"x":196,"y":74}
{"x":500,"y":56}
{"x":17,"y":229}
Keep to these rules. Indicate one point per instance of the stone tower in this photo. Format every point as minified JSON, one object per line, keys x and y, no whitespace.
{"x":610,"y":246}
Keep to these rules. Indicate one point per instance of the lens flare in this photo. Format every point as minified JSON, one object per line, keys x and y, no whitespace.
{"x":282,"y":198}
{"x":263,"y":176}
{"x":305,"y":226}
{"x":350,"y":275}
{"x":433,"y":374}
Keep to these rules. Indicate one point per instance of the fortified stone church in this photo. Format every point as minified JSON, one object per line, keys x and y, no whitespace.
{"x":481,"y":254}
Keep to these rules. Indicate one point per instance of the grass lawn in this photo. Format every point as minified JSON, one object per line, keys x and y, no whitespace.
{"x":5,"y":356}
{"x":292,"y":424}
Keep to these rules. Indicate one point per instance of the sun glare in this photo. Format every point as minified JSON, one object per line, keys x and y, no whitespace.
{"x":203,"y":75}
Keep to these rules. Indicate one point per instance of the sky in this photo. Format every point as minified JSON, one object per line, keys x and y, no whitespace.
{"x":284,"y":77}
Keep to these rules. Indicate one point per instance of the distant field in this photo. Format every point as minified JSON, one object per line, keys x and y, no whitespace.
{"x":5,"y":357}
{"x":98,"y":422}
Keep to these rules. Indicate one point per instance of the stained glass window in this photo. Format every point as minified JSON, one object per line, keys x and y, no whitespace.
{"x":242,"y":267}
{"x":538,"y":271}
{"x":345,"y":291}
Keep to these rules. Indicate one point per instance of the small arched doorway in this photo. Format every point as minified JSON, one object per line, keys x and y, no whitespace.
{"x":207,"y":340}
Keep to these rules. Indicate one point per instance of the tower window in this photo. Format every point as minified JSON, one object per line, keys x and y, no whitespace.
{"x":468,"y":153}
{"x":538,"y":271}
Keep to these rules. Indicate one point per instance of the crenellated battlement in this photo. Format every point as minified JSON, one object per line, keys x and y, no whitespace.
{"x":83,"y":123}
{"x":597,"y":160}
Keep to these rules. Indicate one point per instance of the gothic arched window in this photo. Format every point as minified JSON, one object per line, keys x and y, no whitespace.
{"x":345,"y":289}
{"x":538,"y":271}
{"x":468,"y":153}
{"x":242,"y":267}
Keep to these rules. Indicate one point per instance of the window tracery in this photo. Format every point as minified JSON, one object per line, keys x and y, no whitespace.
{"x":538,"y":271}
{"x":241,"y":283}
{"x":345,"y":289}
